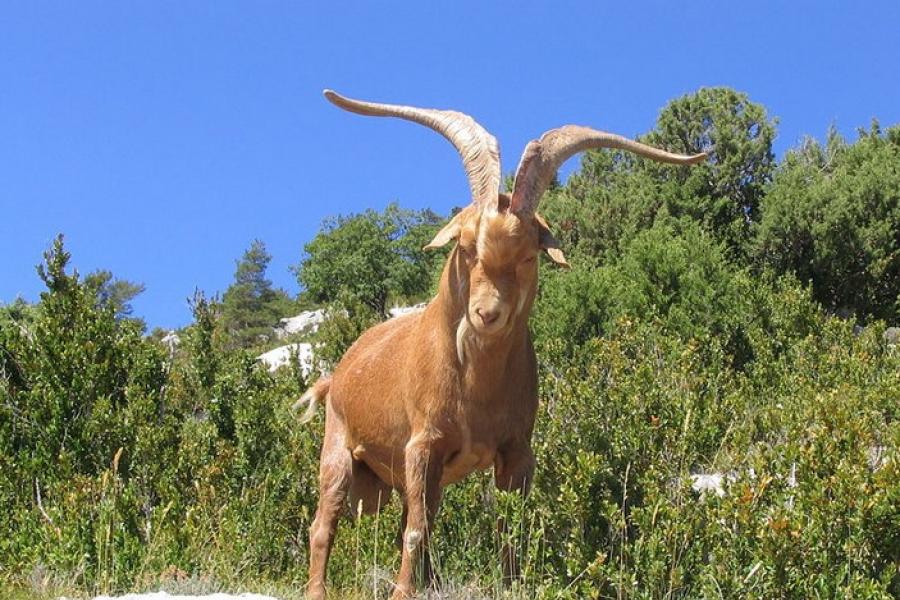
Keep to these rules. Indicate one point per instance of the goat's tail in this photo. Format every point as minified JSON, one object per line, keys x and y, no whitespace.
{"x":312,"y":398}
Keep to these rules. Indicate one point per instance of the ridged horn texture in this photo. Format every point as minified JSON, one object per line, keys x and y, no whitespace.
{"x":479,"y":150}
{"x":542,"y":159}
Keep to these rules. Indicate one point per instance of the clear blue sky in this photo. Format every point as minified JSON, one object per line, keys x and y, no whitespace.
{"x":162,"y":137}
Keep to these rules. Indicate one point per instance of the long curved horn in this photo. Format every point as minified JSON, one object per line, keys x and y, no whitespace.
{"x":479,"y":149}
{"x":543,"y":157}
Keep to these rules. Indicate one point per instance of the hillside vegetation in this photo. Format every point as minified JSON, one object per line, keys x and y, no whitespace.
{"x":732,"y":319}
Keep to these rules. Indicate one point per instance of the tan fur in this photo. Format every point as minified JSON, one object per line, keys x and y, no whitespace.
{"x":422,"y":401}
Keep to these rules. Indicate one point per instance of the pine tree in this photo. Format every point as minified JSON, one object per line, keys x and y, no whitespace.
{"x":114,"y":292}
{"x":251,"y":306}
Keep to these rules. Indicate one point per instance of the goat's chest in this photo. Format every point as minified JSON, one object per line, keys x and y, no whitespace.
{"x":460,"y":464}
{"x":468,"y":447}
{"x":478,"y":430}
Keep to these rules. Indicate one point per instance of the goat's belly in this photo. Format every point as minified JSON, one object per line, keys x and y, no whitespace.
{"x":389,"y":467}
{"x":385,"y":463}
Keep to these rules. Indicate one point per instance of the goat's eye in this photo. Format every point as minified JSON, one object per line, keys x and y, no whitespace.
{"x":529,"y":260}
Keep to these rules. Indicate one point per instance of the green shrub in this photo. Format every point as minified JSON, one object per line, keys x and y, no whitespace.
{"x":116,"y":464}
{"x":626,"y":420}
{"x":676,"y":274}
{"x":832,"y":217}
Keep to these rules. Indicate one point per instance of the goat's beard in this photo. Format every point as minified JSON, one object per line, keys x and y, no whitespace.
{"x":464,"y":334}
{"x":464,"y":329}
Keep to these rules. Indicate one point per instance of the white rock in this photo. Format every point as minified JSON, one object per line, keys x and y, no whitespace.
{"x":281,"y":356}
{"x":878,"y":457}
{"x":399,"y":311}
{"x":892,"y":336}
{"x":306,"y":322}
{"x":310,"y":320}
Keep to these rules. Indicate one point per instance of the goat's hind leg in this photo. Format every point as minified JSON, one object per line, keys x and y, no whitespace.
{"x":513,"y":471}
{"x":368,"y":493}
{"x":335,"y":478}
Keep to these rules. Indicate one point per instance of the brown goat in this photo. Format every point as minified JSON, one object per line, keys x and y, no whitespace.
{"x":421,"y":401}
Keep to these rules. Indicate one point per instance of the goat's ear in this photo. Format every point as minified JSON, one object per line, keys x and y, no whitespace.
{"x":548,"y":243}
{"x":449,"y":232}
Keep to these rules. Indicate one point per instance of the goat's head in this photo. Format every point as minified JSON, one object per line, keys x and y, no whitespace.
{"x":494,"y":264}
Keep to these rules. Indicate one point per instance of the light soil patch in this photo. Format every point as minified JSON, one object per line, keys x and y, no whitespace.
{"x":167,"y":596}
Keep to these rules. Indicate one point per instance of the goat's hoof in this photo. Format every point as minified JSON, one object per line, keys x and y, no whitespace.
{"x":316,"y":592}
{"x":403,"y":593}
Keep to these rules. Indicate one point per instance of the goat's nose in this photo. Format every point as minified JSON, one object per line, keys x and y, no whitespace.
{"x":487,"y":316}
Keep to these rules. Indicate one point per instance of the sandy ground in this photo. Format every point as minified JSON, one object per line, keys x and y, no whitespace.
{"x":167,"y":596}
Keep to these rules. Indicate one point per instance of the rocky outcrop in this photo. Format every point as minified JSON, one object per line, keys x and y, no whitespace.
{"x":306,"y":322}
{"x":282,"y":356}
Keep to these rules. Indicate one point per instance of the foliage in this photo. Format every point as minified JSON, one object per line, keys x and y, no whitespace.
{"x":673,"y":347}
{"x":676,"y":274}
{"x":251,"y":306}
{"x":615,"y":194}
{"x":832,"y":217}
{"x":113,"y":292}
{"x":725,"y":191}
{"x":795,"y":434}
{"x":18,"y":311}
{"x":116,"y":463}
{"x":370,"y":258}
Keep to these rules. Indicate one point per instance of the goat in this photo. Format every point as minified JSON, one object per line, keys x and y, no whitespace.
{"x":423,"y":400}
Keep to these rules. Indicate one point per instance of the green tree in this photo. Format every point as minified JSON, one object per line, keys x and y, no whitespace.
{"x":18,"y":311}
{"x":832,"y":216}
{"x":370,"y":258}
{"x":82,"y":374}
{"x":251,"y":306}
{"x":113,"y":292}
{"x":615,"y":194}
{"x":725,"y":191}
{"x":17,"y":315}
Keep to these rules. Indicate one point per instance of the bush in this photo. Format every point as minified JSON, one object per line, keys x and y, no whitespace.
{"x":626,"y":420}
{"x":832,"y":217}
{"x":677,"y":275}
{"x":117,"y":465}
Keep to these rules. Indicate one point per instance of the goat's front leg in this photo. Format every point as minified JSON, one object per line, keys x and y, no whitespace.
{"x":513,"y":471}
{"x":424,"y":466}
{"x":428,"y":574}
